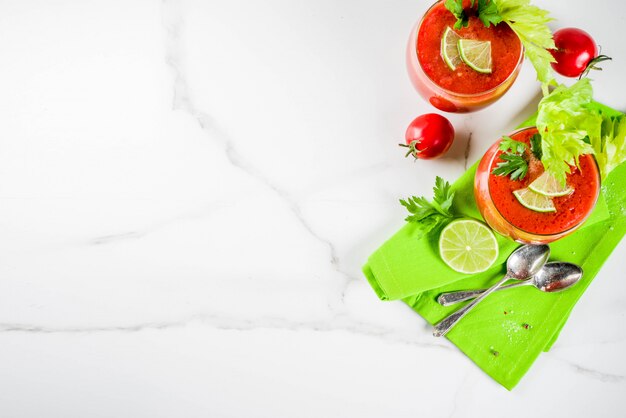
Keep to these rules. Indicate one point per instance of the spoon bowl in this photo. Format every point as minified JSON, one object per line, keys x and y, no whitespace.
{"x":557,"y":276}
{"x":527,"y":261}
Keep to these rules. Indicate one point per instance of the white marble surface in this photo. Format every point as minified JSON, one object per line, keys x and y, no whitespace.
{"x":188,"y":190}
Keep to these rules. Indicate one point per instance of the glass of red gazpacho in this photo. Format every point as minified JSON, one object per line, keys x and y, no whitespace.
{"x":535,"y":209}
{"x":467,"y":77}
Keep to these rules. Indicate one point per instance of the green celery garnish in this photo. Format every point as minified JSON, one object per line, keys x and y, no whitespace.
{"x":530,"y":24}
{"x":610,"y":150}
{"x":430,"y":215}
{"x":568,"y":127}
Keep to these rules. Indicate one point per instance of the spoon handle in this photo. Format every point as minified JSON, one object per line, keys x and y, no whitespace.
{"x":451,"y":320}
{"x":450,"y":298}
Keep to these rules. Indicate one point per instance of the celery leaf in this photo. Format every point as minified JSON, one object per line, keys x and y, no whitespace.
{"x":530,"y":24}
{"x":568,"y":127}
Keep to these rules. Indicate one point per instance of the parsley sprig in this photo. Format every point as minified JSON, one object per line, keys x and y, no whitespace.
{"x":514,"y":163}
{"x":509,"y":144}
{"x":487,"y":12}
{"x":431,"y":215}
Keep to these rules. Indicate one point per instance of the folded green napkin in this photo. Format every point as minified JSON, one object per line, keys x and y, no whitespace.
{"x":506,"y":332}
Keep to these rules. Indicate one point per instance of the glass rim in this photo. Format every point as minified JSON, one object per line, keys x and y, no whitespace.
{"x":453,"y":93}
{"x":560,"y":233}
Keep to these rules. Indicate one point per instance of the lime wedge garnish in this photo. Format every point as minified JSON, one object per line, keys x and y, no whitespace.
{"x":547,"y":185}
{"x":449,"y":48}
{"x":476,"y":54}
{"x":534,"y":201}
{"x":468,"y":246}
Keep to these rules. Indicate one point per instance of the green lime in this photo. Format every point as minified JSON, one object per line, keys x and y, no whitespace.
{"x":547,"y":185}
{"x":449,"y":48}
{"x":468,"y":246}
{"x":476,"y":54}
{"x":534,"y":201}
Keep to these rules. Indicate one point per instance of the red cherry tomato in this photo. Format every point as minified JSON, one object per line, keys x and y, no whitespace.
{"x":576,"y":52}
{"x":428,"y":136}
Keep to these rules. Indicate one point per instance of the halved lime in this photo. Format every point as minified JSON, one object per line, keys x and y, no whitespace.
{"x":476,"y":54}
{"x":468,"y":246}
{"x":534,"y":201}
{"x":547,"y":185}
{"x":449,"y":48}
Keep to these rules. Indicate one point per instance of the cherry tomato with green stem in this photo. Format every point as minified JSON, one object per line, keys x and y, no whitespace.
{"x":429,"y":136}
{"x":576,"y":53}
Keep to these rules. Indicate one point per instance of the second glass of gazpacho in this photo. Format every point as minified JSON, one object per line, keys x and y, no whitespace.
{"x":520,"y":200}
{"x":466,"y":69}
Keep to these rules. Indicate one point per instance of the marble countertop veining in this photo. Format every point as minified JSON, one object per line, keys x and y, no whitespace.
{"x":188,"y":191}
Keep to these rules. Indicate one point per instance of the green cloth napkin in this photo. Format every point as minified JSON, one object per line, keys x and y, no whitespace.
{"x":506,"y":333}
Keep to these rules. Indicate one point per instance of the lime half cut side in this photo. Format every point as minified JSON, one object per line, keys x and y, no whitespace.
{"x":547,"y":185}
{"x":534,"y":201}
{"x":476,"y":54}
{"x":450,"y":49}
{"x":468,"y":246}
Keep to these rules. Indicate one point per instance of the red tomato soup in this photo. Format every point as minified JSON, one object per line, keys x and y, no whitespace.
{"x":505,"y":52}
{"x":571,"y":210}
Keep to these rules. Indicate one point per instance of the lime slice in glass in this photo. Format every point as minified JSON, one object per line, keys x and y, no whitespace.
{"x":476,"y":54}
{"x":468,"y":246}
{"x":534,"y":201}
{"x":449,"y":48}
{"x":547,"y":185}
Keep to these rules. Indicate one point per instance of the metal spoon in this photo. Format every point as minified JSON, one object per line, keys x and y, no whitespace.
{"x":523,"y":263}
{"x":553,"y":277}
